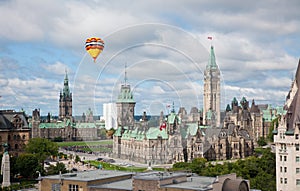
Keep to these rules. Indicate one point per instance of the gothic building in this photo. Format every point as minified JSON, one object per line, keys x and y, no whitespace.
{"x":125,"y":107}
{"x":180,"y":137}
{"x":65,"y":128}
{"x":287,"y":140}
{"x":65,"y":100}
{"x":14,"y":130}
{"x":211,"y":94}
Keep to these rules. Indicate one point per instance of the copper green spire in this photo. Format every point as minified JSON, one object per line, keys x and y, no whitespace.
{"x":66,"y":90}
{"x":212,"y":59}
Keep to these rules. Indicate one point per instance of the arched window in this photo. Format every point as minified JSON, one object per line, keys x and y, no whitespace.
{"x":16,"y":146}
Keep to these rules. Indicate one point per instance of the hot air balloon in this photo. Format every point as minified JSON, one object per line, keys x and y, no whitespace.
{"x":94,"y":46}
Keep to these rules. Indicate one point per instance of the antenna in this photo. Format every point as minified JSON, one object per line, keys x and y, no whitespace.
{"x":125,"y":76}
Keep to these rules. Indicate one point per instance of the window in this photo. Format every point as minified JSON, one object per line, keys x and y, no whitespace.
{"x":73,"y":187}
{"x":280,"y":157}
{"x":298,"y":182}
{"x":285,"y":180}
{"x":284,"y":158}
{"x":297,"y":147}
{"x":297,"y":170}
{"x":281,"y":180}
{"x":297,"y":159}
{"x":285,"y":169}
{"x":297,"y":136}
{"x":281,"y":169}
{"x":55,"y":187}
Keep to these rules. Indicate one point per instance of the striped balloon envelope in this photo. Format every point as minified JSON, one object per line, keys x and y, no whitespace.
{"x":94,"y":46}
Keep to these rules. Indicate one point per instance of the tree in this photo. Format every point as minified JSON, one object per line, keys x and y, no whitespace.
{"x":261,"y":141}
{"x":274,"y":125}
{"x":110,"y":133}
{"x":102,"y":133}
{"x":27,"y":165}
{"x":42,"y":148}
{"x":77,"y":159}
{"x":55,"y":169}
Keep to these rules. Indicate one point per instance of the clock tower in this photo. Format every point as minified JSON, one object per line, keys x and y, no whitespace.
{"x":211,"y":97}
{"x":125,"y":105}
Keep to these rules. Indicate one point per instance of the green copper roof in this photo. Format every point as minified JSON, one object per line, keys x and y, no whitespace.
{"x":243,"y":100}
{"x":118,"y":132}
{"x":155,"y":132}
{"x":66,"y":90}
{"x":212,"y":60}
{"x":290,"y":132}
{"x":125,"y":95}
{"x":191,"y":129}
{"x":171,"y":118}
{"x":209,"y":114}
{"x":234,"y":100}
{"x":228,"y":107}
{"x":63,"y":124}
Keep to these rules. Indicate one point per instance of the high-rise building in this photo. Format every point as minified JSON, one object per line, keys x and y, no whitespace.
{"x":211,"y":95}
{"x":110,"y":115}
{"x":286,"y":139}
{"x":65,"y":100}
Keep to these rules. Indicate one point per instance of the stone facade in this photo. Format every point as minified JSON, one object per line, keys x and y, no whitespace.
{"x":212,"y":92}
{"x":65,"y":128}
{"x":183,"y":137}
{"x":14,"y":130}
{"x":65,"y":100}
{"x":287,"y":141}
{"x":255,"y":119}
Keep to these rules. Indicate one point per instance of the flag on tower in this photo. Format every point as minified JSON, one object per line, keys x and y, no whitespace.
{"x":163,"y":126}
{"x":210,"y":37}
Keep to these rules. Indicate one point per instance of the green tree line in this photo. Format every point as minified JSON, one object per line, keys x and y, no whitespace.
{"x":260,"y":171}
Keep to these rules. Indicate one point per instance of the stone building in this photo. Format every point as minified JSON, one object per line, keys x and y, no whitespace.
{"x":182,"y":137}
{"x":65,"y":100}
{"x":212,"y":92}
{"x":65,"y":128}
{"x":287,"y":141}
{"x":255,"y":119}
{"x":14,"y":130}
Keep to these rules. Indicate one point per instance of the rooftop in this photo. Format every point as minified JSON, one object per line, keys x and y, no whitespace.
{"x":89,"y":175}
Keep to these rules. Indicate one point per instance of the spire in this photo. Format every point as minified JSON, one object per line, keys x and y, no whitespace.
{"x":173,"y":108}
{"x":125,"y":75}
{"x":212,"y":59}
{"x":66,"y":90}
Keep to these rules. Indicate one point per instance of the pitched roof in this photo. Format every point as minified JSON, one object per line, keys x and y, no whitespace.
{"x":294,"y":109}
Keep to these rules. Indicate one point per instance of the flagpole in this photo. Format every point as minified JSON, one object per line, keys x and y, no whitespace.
{"x":211,"y":39}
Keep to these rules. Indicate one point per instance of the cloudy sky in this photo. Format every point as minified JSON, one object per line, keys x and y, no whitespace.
{"x":163,"y":43}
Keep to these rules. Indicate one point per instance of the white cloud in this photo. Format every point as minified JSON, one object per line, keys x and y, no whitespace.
{"x":256,"y":46}
{"x":58,"y":68}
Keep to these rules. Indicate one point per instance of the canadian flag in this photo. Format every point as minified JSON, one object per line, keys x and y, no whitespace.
{"x":163,"y":126}
{"x":210,"y":37}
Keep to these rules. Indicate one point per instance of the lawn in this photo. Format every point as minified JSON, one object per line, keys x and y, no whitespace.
{"x":103,"y":146}
{"x":108,"y":166}
{"x":85,"y":143}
